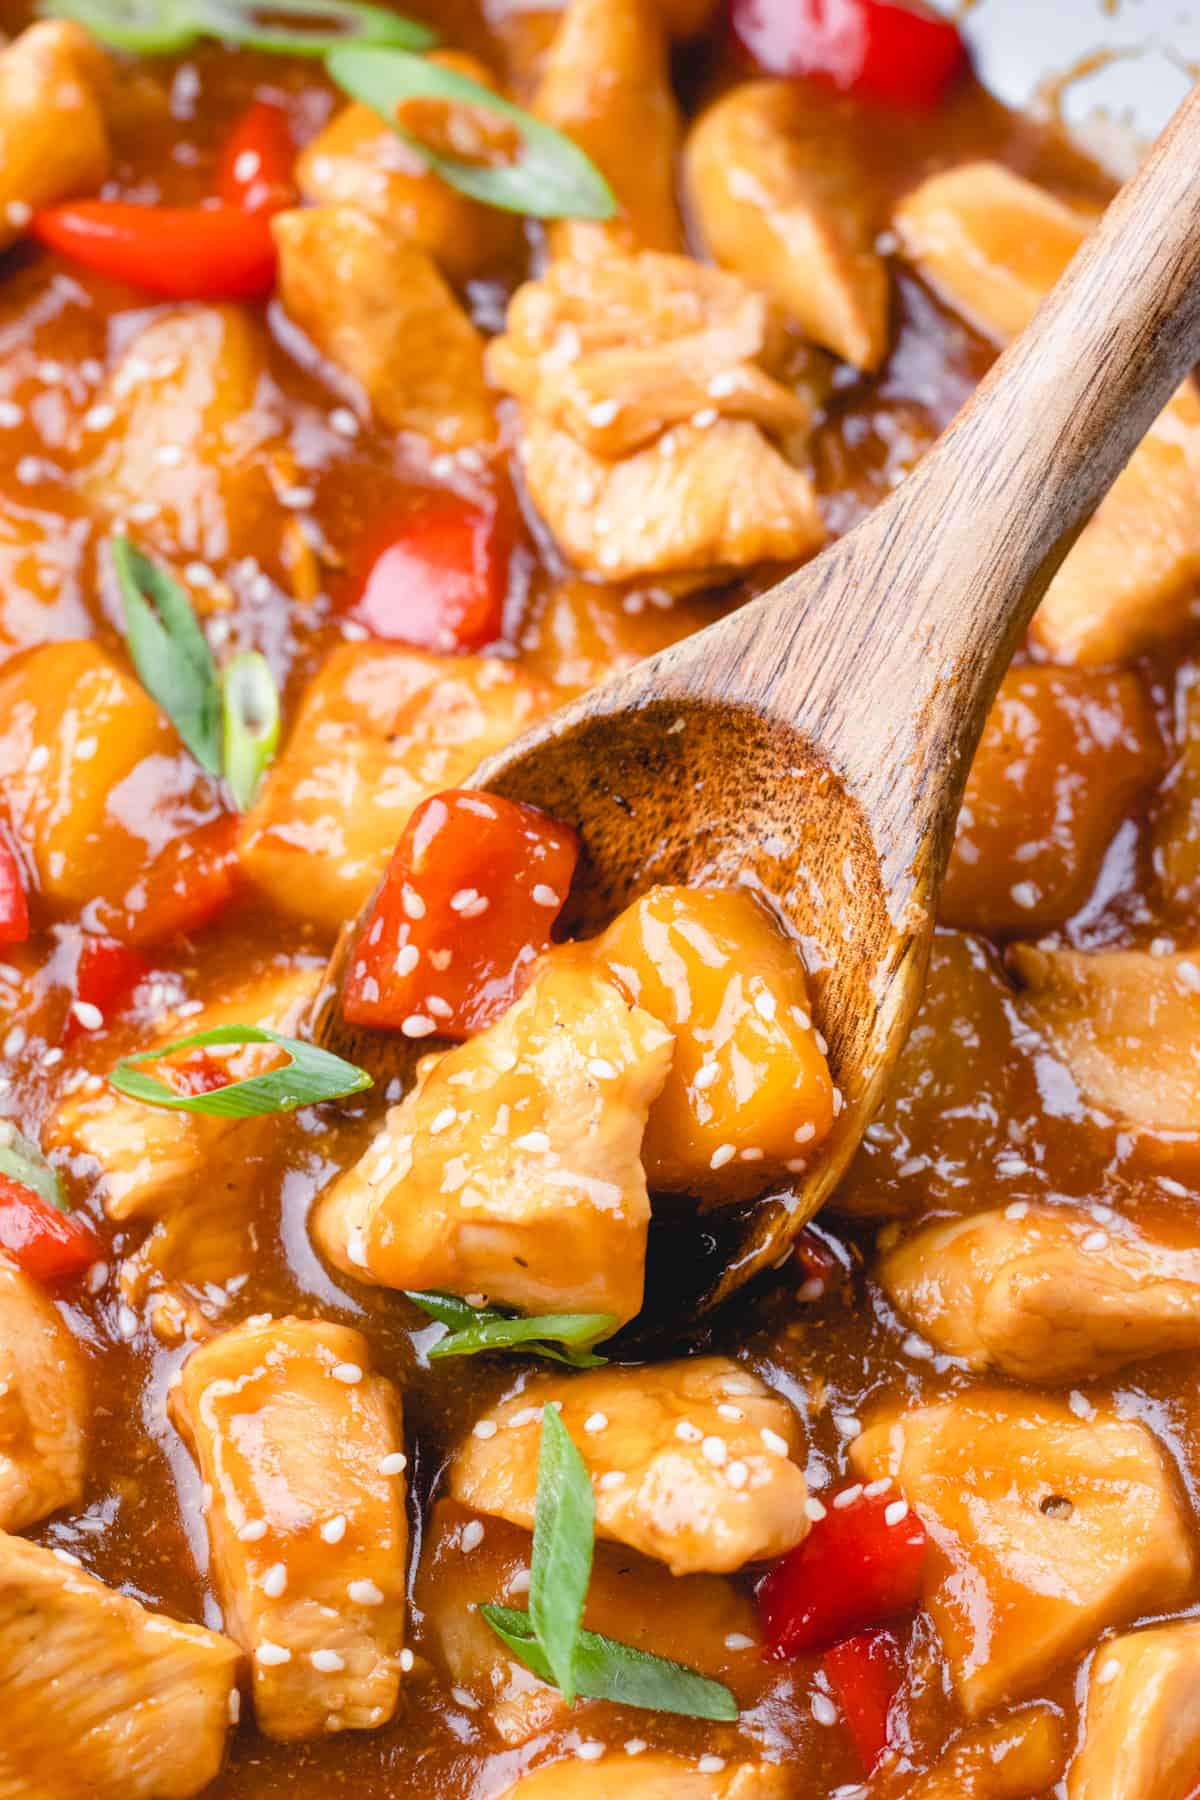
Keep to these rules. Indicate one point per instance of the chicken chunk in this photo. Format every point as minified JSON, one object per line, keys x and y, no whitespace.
{"x":701,"y":500}
{"x":195,"y":1177}
{"x":301,"y":1447}
{"x":992,"y":245}
{"x":1064,"y":755}
{"x":380,"y":729}
{"x":659,"y":1776}
{"x":1046,"y":1297}
{"x":616,"y":349}
{"x":686,"y":1618}
{"x":704,"y":1451}
{"x":53,"y":137}
{"x":606,"y":83}
{"x":1047,"y":1529}
{"x":1126,"y":1023}
{"x":359,"y":161}
{"x":93,"y":779}
{"x":749,"y":1090}
{"x":100,"y":1697}
{"x":1020,"y":1755}
{"x":44,"y":1413}
{"x":191,"y":436}
{"x":41,"y":595}
{"x":1141,"y":1733}
{"x":513,"y":1168}
{"x":379,"y":311}
{"x":775,"y":181}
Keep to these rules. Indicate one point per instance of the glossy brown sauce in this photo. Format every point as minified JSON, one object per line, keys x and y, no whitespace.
{"x":982,"y":1115}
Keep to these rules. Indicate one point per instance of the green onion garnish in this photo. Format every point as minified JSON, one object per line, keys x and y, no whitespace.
{"x":559,"y":1337}
{"x":170,"y":652}
{"x":153,"y":27}
{"x":23,"y":1162}
{"x":550,"y":1639}
{"x":310,"y":1076}
{"x":551,"y":177}
{"x":251,"y":724}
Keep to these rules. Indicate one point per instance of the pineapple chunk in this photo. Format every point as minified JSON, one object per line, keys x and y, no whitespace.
{"x":706,"y":1454}
{"x":380,"y":729}
{"x":659,"y":1776}
{"x":749,"y":1091}
{"x":54,"y":80}
{"x":512,"y":1169}
{"x":41,"y":600}
{"x":44,"y":1410}
{"x":1141,"y":1731}
{"x":1047,"y":1530}
{"x":1020,"y":1755}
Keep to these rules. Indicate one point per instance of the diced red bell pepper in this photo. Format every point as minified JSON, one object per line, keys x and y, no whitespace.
{"x":106,"y":973}
{"x":474,"y":887}
{"x":51,"y":1246}
{"x":255,"y":171}
{"x":818,"y":1263}
{"x":866,"y":1673}
{"x":185,"y":888}
{"x":854,"y":1569}
{"x":178,"y":252}
{"x":900,"y":52}
{"x":14,"y":907}
{"x":438,"y":576}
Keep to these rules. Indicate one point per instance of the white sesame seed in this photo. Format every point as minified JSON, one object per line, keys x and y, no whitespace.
{"x":545,"y":896}
{"x":253,"y":1531}
{"x":724,"y":1153}
{"x":334,"y":1530}
{"x":235,"y":1706}
{"x":127,"y":1322}
{"x":486,"y":1428}
{"x":418,"y":1025}
{"x":443,"y":1120}
{"x":274,"y":1582}
{"x":737,"y":1640}
{"x":1107,"y":1672}
{"x":689,"y":1433}
{"x":727,"y":1410}
{"x":896,"y":1513}
{"x":705,"y":1075}
{"x":611,"y":1478}
{"x":589,"y":1752}
{"x":272,"y":1656}
{"x":601,"y":1069}
{"x":472,"y":1535}
{"x":406,"y":1660}
{"x":348,"y":1373}
{"x":37,"y":759}
{"x":343,"y":421}
{"x":823,"y":1710}
{"x":737,"y":1474}
{"x":873,"y":1489}
{"x":536,"y":1141}
{"x":414,"y":906}
{"x":714,"y":1450}
{"x":814,"y":1509}
{"x":1095,"y":1240}
{"x":365,"y":1593}
{"x":463,"y":899}
{"x":595,"y":1422}
{"x":327,"y":1662}
{"x":711,"y":1765}
{"x":848,"y":1496}
{"x":847,"y":1425}
{"x":394,"y":1463}
{"x":773,"y":1442}
{"x":407,"y":959}
{"x":635,"y":1746}
{"x":89,"y":1016}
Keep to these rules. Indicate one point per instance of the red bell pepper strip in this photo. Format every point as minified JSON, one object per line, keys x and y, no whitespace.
{"x":866,"y":1673}
{"x":255,"y":170}
{"x":49,"y":1245}
{"x":106,"y":974}
{"x":14,"y":907}
{"x":474,"y":887}
{"x":854,"y":1569}
{"x":438,"y":576}
{"x":899,"y":52}
{"x":180,"y":253}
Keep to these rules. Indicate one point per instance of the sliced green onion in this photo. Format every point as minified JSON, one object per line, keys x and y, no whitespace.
{"x":170,"y":652}
{"x":559,"y":1337}
{"x":564,"y":1530}
{"x":607,"y":1670}
{"x":23,"y":1162}
{"x":251,"y":724}
{"x":311,"y":1075}
{"x":552,"y":179}
{"x":152,"y":27}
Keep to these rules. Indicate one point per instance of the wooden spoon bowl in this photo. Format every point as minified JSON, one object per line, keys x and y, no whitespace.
{"x":815,"y":744}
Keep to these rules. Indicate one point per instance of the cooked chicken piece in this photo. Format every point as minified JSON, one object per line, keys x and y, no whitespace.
{"x":377,"y":308}
{"x":1047,"y":1529}
{"x":618,"y":348}
{"x":359,"y":161}
{"x":701,"y":499}
{"x":91,"y":774}
{"x":381,"y":728}
{"x":606,"y":83}
{"x":44,"y":1413}
{"x":704,"y":1451}
{"x":513,"y":1168}
{"x":578,"y":632}
{"x":1064,"y":755}
{"x":775,"y":183}
{"x":194,"y":1176}
{"x":687,"y":1618}
{"x":993,"y":245}
{"x":990,"y":243}
{"x":1126,"y":1023}
{"x":188,"y":449}
{"x":658,"y":1776}
{"x":1018,"y":1756}
{"x":749,"y":1091}
{"x":53,"y":138}
{"x":1046,"y":1297}
{"x":1141,"y":1732}
{"x":301,"y":1447}
{"x":100,"y":1697}
{"x":41,"y":596}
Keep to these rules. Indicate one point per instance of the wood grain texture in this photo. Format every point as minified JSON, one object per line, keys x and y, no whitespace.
{"x":816,"y":743}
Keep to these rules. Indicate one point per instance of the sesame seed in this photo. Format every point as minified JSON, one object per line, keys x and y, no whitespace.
{"x":327,"y":1662}
{"x":235,"y":1706}
{"x":11,"y":414}
{"x":532,"y":1140}
{"x":272,"y":1656}
{"x":714,"y":1450}
{"x":65,"y":1556}
{"x":812,"y":1289}
{"x":463,"y":899}
{"x":689,"y":1433}
{"x":737,"y":1474}
{"x":1095,"y":1240}
{"x":127,"y":1322}
{"x":253,"y":1531}
{"x":726,"y":1410}
{"x":848,"y":1496}
{"x":545,"y":896}
{"x":414,"y":906}
{"x":406,"y":1660}
{"x":823,"y":1710}
{"x":334,"y":1530}
{"x":873,"y":1489}
{"x":611,"y":1478}
{"x":99,"y":418}
{"x":472,"y":1535}
{"x":737,"y":1640}
{"x":596,"y":1421}
{"x":847,"y":1425}
{"x":705,"y":1075}
{"x":773,"y":1442}
{"x":365,"y":1593}
{"x":418,"y":1025}
{"x":601,"y":1069}
{"x":896,"y":1513}
{"x":814,"y":1509}
{"x":764,"y":1004}
{"x":348,"y":1373}
{"x":1108,"y":1672}
{"x":393,"y":1464}
{"x":443,"y":1120}
{"x":635,"y":1746}
{"x":803,"y":1133}
{"x":89,"y":1016}
{"x":711,"y":1765}
{"x":343,"y":421}
{"x":486,"y":1428}
{"x":724,"y":1153}
{"x":407,"y":959}
{"x":589,"y":1752}
{"x":274,"y":1582}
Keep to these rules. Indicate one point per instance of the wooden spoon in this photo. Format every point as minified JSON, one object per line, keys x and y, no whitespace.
{"x":815,"y":743}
